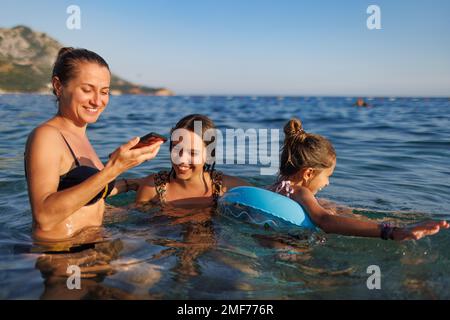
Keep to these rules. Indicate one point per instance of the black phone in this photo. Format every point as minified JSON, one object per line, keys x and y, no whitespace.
{"x":150,"y":139}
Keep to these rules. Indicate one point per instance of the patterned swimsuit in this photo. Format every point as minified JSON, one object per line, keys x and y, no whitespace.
{"x":283,"y":187}
{"x":162,"y":178}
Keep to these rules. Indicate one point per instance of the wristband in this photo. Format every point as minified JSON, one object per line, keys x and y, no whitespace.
{"x":387,"y":231}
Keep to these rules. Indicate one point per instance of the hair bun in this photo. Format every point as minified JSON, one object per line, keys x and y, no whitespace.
{"x":64,"y":50}
{"x":294,"y":128}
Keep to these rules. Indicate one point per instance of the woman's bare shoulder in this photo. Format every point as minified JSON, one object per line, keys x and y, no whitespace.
{"x":44,"y":139}
{"x":44,"y":130}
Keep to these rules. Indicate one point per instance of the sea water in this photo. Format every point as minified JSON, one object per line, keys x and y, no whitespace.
{"x":392,"y":163}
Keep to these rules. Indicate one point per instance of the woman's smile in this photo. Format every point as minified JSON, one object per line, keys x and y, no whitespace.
{"x":92,"y":110}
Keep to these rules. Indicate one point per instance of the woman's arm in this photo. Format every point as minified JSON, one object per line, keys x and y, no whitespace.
{"x":49,"y":206}
{"x":332,"y":223}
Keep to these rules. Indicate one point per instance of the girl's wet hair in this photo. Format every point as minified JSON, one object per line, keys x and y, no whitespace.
{"x":304,"y":150}
{"x":188,"y":123}
{"x":67,"y":61}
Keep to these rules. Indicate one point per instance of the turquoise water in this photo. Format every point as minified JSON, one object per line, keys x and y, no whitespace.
{"x":393,"y":163}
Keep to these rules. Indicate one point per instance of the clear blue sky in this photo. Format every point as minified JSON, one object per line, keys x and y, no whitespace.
{"x":278,"y":47}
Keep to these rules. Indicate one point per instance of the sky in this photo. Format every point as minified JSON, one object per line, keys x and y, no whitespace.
{"x":258,"y":47}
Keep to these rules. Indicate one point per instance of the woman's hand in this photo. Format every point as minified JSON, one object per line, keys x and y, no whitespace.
{"x":123,"y":158}
{"x":419,"y":230}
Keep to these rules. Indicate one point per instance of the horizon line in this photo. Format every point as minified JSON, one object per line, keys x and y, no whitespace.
{"x":259,"y":95}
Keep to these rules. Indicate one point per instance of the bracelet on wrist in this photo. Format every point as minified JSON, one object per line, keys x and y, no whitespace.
{"x":387,"y":231}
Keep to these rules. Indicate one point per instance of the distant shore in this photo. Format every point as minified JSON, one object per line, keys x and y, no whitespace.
{"x":228,"y":96}
{"x":158,"y":93}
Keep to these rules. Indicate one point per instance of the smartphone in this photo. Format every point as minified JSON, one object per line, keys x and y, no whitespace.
{"x":149,"y":139}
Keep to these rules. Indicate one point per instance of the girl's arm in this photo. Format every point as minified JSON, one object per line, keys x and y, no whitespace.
{"x":340,"y":209}
{"x":230,"y":182}
{"x":146,"y":190}
{"x":332,"y":223}
{"x":125,"y":185}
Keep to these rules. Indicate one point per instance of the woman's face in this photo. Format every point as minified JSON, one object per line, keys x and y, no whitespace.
{"x":85,"y":97}
{"x":188,"y":154}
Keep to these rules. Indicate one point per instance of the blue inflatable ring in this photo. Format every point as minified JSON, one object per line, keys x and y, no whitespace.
{"x":269,"y":206}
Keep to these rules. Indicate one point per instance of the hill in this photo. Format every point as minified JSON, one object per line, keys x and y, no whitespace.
{"x":26,"y":61}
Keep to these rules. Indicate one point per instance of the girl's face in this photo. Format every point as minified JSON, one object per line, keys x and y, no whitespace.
{"x":320,"y":180}
{"x":188,"y":154}
{"x":315,"y":180}
{"x":85,"y":97}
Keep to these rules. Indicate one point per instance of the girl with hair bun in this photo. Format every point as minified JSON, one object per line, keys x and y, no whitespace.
{"x":307,"y":162}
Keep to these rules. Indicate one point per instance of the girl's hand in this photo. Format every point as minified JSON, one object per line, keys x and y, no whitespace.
{"x":123,"y":158}
{"x":420,"y":230}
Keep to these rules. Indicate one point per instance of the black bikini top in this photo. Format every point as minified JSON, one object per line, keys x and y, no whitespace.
{"x":79,"y":174}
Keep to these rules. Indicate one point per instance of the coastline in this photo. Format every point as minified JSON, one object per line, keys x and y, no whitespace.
{"x":115,"y":93}
{"x":254,"y":97}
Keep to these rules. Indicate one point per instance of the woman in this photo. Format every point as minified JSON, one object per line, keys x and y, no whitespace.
{"x":67,"y":182}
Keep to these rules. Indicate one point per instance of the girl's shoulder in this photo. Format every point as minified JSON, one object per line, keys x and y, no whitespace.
{"x":230,"y":182}
{"x":151,"y":187}
{"x":303,"y":195}
{"x":310,"y":203}
{"x":155,"y":180}
{"x":161,"y":177}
